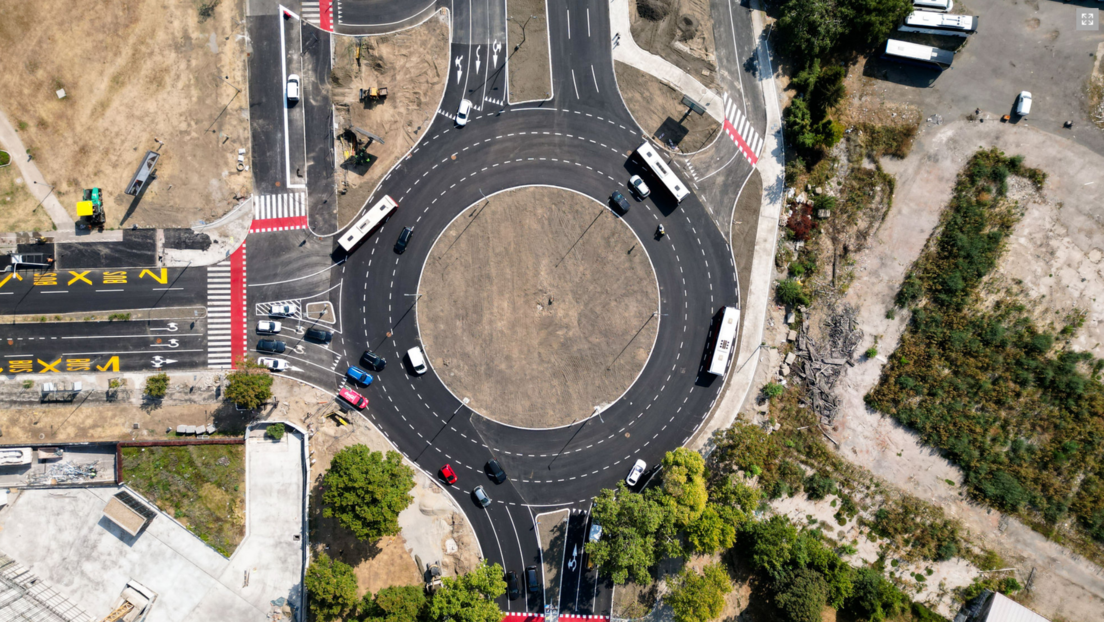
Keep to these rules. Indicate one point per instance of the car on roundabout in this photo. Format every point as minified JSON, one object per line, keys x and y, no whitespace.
{"x":495,"y":472}
{"x":272,"y":364}
{"x":373,"y":361}
{"x":358,"y":376}
{"x":619,"y":202}
{"x":448,"y":474}
{"x":639,"y":187}
{"x":463,"y":112}
{"x":354,"y":399}
{"x":417,"y":360}
{"x":481,"y":497}
{"x":635,"y":473}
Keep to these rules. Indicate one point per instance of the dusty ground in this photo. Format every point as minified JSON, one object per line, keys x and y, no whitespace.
{"x":538,"y":305}
{"x":684,"y":37}
{"x":658,"y":109}
{"x":552,"y":528}
{"x":412,"y":64}
{"x":155,"y":72}
{"x":19,"y":211}
{"x":1065,"y":585}
{"x":528,"y":67}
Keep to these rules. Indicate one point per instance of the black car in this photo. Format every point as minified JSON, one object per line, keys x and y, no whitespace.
{"x":496,"y":472}
{"x":373,"y":360}
{"x":619,"y":202}
{"x":271,"y":345}
{"x":532,"y":580}
{"x":512,"y":589}
{"x":404,"y":239}
{"x":319,"y":335}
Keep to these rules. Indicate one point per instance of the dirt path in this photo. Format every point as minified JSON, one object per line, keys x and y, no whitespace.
{"x":538,"y":306}
{"x":27,"y":196}
{"x":682,"y":34}
{"x":658,"y":109}
{"x":1064,"y":585}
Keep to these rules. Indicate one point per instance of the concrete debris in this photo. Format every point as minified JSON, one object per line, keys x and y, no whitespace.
{"x":64,"y":473}
{"x":791,"y":336}
{"x":820,"y":365}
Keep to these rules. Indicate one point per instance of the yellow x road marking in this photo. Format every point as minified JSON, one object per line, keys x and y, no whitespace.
{"x":79,"y":276}
{"x":48,"y":366}
{"x":7,"y":278}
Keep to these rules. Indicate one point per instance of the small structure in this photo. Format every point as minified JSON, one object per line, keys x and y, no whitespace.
{"x":996,"y":607}
{"x":128,"y":512}
{"x":131,"y":604}
{"x":142,"y":175}
{"x":15,"y":456}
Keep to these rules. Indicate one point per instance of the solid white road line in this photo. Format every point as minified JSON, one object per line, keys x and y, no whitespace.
{"x":574,"y":83}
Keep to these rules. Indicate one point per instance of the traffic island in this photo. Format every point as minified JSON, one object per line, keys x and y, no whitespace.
{"x":529,"y":65}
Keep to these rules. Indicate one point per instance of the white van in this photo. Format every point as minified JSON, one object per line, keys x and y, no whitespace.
{"x":1023,"y":104}
{"x":417,"y":360}
{"x":941,"y":6}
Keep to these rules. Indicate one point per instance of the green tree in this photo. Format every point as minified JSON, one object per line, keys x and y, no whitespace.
{"x":874,"y":598}
{"x":275,"y":431}
{"x":331,"y":586}
{"x":799,"y":124}
{"x":398,"y":603}
{"x":366,"y":490}
{"x":157,"y":386}
{"x":470,"y":597}
{"x":869,"y":22}
{"x":699,"y":597}
{"x":809,"y":29}
{"x":684,"y":485}
{"x":712,"y":531}
{"x":636,"y":532}
{"x":802,"y":599}
{"x":828,"y":90}
{"x":250,"y":385}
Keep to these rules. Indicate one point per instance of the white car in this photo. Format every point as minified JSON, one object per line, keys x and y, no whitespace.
{"x":417,"y":360}
{"x":463,"y":112}
{"x":639,"y":187}
{"x":268,"y":328}
{"x":293,"y":88}
{"x":636,"y":472}
{"x":1023,"y":104}
{"x":273,"y":364}
{"x":284,"y":310}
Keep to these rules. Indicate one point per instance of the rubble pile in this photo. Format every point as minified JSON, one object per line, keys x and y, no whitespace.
{"x":821,"y":365}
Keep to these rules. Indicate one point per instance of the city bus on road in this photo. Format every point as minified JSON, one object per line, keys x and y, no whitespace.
{"x":368,"y":223}
{"x":916,"y":54}
{"x":724,"y":340}
{"x":662,"y":172}
{"x":930,"y":23}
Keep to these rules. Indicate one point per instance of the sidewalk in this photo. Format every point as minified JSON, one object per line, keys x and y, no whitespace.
{"x":627,"y":51}
{"x":771,"y":167}
{"x":34,"y":181}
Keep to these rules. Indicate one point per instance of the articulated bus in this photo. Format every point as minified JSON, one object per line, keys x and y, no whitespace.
{"x":662,"y":172}
{"x":916,"y":54}
{"x":724,"y":340}
{"x":940,"y":24}
{"x":368,"y":223}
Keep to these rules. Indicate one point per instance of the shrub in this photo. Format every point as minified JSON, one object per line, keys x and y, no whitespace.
{"x":871,"y":352}
{"x":157,"y":386}
{"x":802,"y":599}
{"x":249,"y":386}
{"x":791,"y":293}
{"x":800,"y":223}
{"x":772,"y":390}
{"x":819,"y":485}
{"x":331,"y":586}
{"x":275,"y":431}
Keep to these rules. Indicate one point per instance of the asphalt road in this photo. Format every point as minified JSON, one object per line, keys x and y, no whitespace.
{"x":380,"y":16}
{"x":266,"y":103}
{"x":86,"y":291}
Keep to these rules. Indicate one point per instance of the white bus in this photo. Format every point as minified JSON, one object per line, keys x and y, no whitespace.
{"x":368,"y":223}
{"x":662,"y":172}
{"x":940,"y":24}
{"x":916,"y":54}
{"x":724,"y":340}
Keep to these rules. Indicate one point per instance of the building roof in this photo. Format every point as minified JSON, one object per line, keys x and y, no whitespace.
{"x":128,"y":513}
{"x":1004,"y":609}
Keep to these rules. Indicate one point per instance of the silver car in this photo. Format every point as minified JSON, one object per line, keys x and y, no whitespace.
{"x":481,"y":496}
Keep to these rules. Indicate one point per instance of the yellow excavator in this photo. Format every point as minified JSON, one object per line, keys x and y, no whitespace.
{"x":90,"y":210}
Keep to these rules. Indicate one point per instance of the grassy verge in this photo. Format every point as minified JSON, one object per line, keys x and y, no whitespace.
{"x":202,"y":486}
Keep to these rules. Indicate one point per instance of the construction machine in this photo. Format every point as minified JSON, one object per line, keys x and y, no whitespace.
{"x":90,"y":210}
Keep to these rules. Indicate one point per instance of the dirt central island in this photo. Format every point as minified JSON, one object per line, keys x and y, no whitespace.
{"x":537,"y":305}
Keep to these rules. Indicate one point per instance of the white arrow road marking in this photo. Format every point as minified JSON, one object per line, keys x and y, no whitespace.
{"x":172,"y":328}
{"x":459,"y":69}
{"x":172,"y":343}
{"x":477,"y":60}
{"x":494,"y":53}
{"x":158,"y":361}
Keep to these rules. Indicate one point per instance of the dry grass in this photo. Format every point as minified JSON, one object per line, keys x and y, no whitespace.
{"x":19,"y":211}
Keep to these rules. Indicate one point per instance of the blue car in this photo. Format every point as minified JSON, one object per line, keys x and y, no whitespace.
{"x":359,"y":376}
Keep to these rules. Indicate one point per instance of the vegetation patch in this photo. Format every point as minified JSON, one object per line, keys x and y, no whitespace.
{"x":201,"y":486}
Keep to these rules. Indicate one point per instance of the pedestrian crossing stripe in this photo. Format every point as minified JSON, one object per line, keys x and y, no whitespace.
{"x":310,"y":14}
{"x":318,"y":13}
{"x":227,"y":325}
{"x":279,"y":212}
{"x":739,"y":129}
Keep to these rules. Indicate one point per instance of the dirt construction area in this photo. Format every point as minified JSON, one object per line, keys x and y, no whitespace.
{"x":538,"y":306}
{"x":137,"y":75}
{"x":19,"y":211}
{"x":659,"y":111}
{"x":528,"y":67}
{"x":679,"y":31}
{"x":413,"y":66}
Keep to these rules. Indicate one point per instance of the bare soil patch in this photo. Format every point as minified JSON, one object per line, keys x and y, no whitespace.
{"x":658,"y":109}
{"x":413,"y":65}
{"x":134,"y":72}
{"x":679,"y":31}
{"x":552,"y":528}
{"x":538,"y":306}
{"x":529,"y":67}
{"x":19,"y":211}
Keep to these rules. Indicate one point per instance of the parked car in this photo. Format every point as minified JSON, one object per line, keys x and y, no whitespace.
{"x":481,"y":496}
{"x":448,"y":474}
{"x":496,"y":472}
{"x":1023,"y":104}
{"x":293,"y":88}
{"x":512,"y":585}
{"x":318,"y":335}
{"x":531,"y":579}
{"x":639,"y":187}
{"x":268,"y":328}
{"x":372,"y":360}
{"x":272,"y":364}
{"x":355,"y":399}
{"x":417,"y":360}
{"x":358,"y":376}
{"x":271,"y":345}
{"x":404,"y":239}
{"x":463,"y":112}
{"x":619,"y":202}
{"x":637,"y":470}
{"x":284,"y":310}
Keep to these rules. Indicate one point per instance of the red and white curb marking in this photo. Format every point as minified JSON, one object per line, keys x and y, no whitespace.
{"x":739,"y":129}
{"x":227,"y":326}
{"x":533,"y":617}
{"x":279,"y":212}
{"x":319,"y":13}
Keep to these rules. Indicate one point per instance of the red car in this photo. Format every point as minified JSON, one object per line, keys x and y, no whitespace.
{"x":356,"y":399}
{"x":448,"y":474}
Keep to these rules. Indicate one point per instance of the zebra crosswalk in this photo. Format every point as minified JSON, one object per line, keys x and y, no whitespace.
{"x":226,"y":321}
{"x":310,"y":13}
{"x":279,"y":212}
{"x":739,"y":129}
{"x":318,"y":13}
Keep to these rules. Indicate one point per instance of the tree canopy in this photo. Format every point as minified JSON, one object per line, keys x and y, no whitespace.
{"x":365,"y":490}
{"x":249,"y":386}
{"x":470,"y":597}
{"x":331,"y":586}
{"x":637,"y":531}
{"x":398,"y":603}
{"x":684,"y":485}
{"x":699,"y":597}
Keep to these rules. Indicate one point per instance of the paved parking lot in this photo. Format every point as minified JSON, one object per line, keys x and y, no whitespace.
{"x":1020,"y":46}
